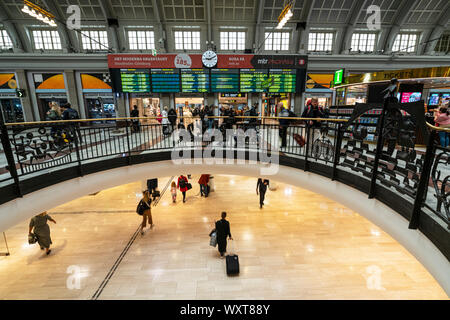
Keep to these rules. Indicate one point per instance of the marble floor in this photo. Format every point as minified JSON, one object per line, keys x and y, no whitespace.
{"x":299,"y":246}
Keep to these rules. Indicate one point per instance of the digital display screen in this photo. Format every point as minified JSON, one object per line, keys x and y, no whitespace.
{"x":135,"y":80}
{"x":434,"y":99}
{"x":253,"y":80}
{"x":445,"y":96}
{"x":165,"y":80}
{"x":224,"y":80}
{"x":284,"y":80}
{"x":411,"y":97}
{"x":194,"y":80}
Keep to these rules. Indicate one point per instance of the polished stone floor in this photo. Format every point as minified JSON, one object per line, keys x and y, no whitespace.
{"x":299,"y":246}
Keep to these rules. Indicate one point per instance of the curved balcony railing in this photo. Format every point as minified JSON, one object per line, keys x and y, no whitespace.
{"x":413,"y":181}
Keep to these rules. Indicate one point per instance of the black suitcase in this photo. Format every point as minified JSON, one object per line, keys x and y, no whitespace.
{"x":232,"y":264}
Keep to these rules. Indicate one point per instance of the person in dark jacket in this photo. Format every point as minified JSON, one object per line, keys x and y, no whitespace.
{"x":223,"y":230}
{"x":285,"y":113}
{"x":135,"y":125}
{"x":172,"y":115}
{"x":261,"y":186}
{"x":313,"y":111}
{"x":68,"y":113}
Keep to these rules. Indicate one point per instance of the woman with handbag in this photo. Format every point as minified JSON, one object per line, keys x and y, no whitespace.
{"x":147,"y":211}
{"x":42,"y":230}
{"x":183,"y":185}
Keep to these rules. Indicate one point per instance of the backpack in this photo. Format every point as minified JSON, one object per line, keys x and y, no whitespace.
{"x":141,"y":207}
{"x":73,"y":114}
{"x":182,"y":183}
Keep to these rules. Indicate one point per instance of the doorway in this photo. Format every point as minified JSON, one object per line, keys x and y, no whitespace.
{"x":11,"y":110}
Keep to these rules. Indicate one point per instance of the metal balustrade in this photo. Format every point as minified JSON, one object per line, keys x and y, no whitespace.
{"x":391,"y":169}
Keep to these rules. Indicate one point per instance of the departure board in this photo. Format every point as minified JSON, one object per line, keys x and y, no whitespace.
{"x":252,"y":80}
{"x":135,"y":80}
{"x":194,"y":80}
{"x":284,"y":80}
{"x":165,"y":80}
{"x":224,"y":80}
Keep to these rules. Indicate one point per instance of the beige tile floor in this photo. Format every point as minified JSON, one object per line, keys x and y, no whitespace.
{"x":300,"y":246}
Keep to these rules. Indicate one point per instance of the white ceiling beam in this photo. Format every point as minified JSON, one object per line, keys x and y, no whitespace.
{"x":259,"y":16}
{"x":113,"y":33}
{"x":438,"y":30}
{"x":305,"y":15}
{"x":161,"y":28}
{"x":399,"y":20}
{"x":5,"y":19}
{"x":208,"y":14}
{"x":69,"y":41}
{"x":344,"y":45}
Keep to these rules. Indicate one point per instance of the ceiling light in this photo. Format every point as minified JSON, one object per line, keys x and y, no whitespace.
{"x":285,"y":15}
{"x":37,"y":12}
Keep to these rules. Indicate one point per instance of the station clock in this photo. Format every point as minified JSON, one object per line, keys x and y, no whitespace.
{"x":209,"y":59}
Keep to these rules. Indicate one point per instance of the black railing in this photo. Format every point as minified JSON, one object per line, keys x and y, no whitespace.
{"x":391,"y":169}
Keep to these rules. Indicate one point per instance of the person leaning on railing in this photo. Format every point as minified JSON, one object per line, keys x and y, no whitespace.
{"x":442,"y":120}
{"x":284,"y":123}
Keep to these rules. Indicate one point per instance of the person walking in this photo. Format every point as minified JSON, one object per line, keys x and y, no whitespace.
{"x":42,"y":230}
{"x":223,"y":230}
{"x":147,"y":215}
{"x":183,"y":186}
{"x":172,"y":115}
{"x":203,"y":182}
{"x":261,"y":186}
{"x":173,"y":191}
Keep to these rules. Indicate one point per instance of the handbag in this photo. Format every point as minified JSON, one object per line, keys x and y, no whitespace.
{"x":141,"y":207}
{"x":213,"y":240}
{"x":32,"y":238}
{"x":189,"y":186}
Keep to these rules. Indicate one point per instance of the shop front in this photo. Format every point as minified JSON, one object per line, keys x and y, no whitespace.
{"x":98,"y":98}
{"x":318,"y":86}
{"x":10,"y":104}
{"x":50,"y":88}
{"x":147,"y":103}
{"x":428,"y":84}
{"x":270,"y":103}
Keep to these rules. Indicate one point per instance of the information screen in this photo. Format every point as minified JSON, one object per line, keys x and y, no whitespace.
{"x":135,"y":80}
{"x":252,"y":80}
{"x":284,"y":80}
{"x":224,"y":80}
{"x":165,"y":80}
{"x":194,"y":80}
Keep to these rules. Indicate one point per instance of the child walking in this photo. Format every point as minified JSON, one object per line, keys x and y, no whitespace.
{"x":173,"y":190}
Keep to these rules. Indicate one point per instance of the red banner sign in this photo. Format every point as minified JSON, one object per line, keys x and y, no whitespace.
{"x":148,"y":61}
{"x":194,"y":61}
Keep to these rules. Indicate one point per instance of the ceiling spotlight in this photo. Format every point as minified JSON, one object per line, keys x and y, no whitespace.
{"x":37,"y":12}
{"x":285,"y":15}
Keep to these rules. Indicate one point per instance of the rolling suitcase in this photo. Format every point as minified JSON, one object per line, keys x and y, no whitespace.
{"x":299,"y":139}
{"x":232,"y":261}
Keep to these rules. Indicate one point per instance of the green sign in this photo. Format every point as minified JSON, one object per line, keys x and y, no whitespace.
{"x":20,"y":93}
{"x":338,"y":77}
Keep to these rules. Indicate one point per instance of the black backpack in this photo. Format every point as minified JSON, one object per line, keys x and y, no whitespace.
{"x":142,"y":206}
{"x":73,"y":114}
